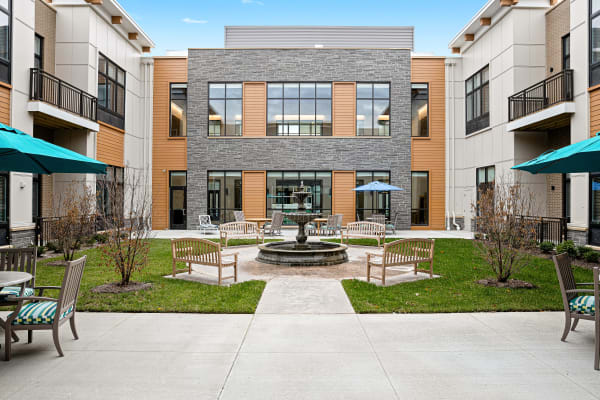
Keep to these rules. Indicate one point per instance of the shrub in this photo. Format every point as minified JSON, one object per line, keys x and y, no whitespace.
{"x":567,"y":247}
{"x":591,"y":256}
{"x":581,"y":250}
{"x":546,"y":247}
{"x":77,"y":219}
{"x":90,"y":241}
{"x":100,"y":237}
{"x":52,"y":246}
{"x":40,"y":250}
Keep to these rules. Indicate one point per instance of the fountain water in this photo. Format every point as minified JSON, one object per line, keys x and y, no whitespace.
{"x":302,"y":253}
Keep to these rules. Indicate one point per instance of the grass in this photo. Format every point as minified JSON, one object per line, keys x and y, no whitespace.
{"x":166,"y":295}
{"x":457,"y":261}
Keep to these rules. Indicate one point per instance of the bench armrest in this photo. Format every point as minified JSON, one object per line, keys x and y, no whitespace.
{"x":229,"y":254}
{"x":579,"y":291}
{"x":32,"y":298}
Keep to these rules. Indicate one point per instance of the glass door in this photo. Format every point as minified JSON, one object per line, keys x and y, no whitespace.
{"x":4,"y":209}
{"x":595,"y":209}
{"x":178,"y":200}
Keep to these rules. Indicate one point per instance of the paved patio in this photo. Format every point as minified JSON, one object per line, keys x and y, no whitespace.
{"x":305,"y":342}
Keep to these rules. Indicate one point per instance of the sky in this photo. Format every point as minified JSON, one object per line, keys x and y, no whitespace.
{"x":182,"y":24}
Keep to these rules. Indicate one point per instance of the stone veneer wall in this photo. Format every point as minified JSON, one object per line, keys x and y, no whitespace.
{"x":298,"y":153}
{"x":22,"y":238}
{"x":580,"y":238}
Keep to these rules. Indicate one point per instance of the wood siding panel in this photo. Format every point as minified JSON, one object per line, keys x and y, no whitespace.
{"x":344,"y":108}
{"x":344,"y":199}
{"x":594,"y":112}
{"x":110,"y":146}
{"x":5,"y":105}
{"x":255,"y":109}
{"x":168,"y":154}
{"x":254,"y":193}
{"x":429,"y":154}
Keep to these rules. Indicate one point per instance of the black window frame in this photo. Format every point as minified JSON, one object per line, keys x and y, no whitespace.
{"x":420,"y":209}
{"x":373,"y":99}
{"x":411,"y":106}
{"x":225,"y":98}
{"x":374,"y":210}
{"x":487,"y":184}
{"x":481,"y":121}
{"x":170,"y":109}
{"x":5,"y":225}
{"x":39,"y":57}
{"x":108,"y":114}
{"x":223,"y":211}
{"x":592,"y":66}
{"x":102,"y":199}
{"x":565,"y":43}
{"x":6,"y":64}
{"x":300,"y":98}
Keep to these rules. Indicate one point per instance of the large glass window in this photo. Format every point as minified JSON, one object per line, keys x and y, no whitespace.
{"x":299,"y":109}
{"x":38,"y":52}
{"x":225,"y":109}
{"x":594,"y":51}
{"x":224,"y":195}
{"x":420,"y":109}
{"x":372,"y":109}
{"x":486,"y":179}
{"x":4,"y":233}
{"x":178,"y":110}
{"x":110,"y":191}
{"x":369,"y":203}
{"x":281,"y":185}
{"x":566,"y":52}
{"x":477,"y":98}
{"x":111,"y":92}
{"x":420,"y":198}
{"x":5,"y":39}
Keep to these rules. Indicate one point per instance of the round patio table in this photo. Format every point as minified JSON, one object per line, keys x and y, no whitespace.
{"x":259,"y":221}
{"x":12,"y":278}
{"x":319,"y":221}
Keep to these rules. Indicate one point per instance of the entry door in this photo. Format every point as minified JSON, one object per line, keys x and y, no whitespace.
{"x":178,"y":211}
{"x":3,"y":209}
{"x":214,"y":203}
{"x":595,"y":209}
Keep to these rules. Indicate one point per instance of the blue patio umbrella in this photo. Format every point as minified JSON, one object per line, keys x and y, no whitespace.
{"x":20,"y":152}
{"x":377,"y":186}
{"x":583,"y":156}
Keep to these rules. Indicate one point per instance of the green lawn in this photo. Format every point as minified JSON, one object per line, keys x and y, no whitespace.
{"x":457,"y":291}
{"x":166,"y":295}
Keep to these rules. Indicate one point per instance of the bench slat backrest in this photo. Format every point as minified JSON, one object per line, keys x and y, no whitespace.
{"x":408,"y":251}
{"x":365,"y":228}
{"x":239,"y":228}
{"x":196,"y":251}
{"x":19,"y":260}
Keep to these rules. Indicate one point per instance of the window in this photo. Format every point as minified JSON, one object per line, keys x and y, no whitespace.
{"x":224,"y":195}
{"x":109,"y":185}
{"x":38,"y":52}
{"x":486,"y":177}
{"x":5,"y":39}
{"x":178,"y":110}
{"x":281,"y":185}
{"x":372,"y":109}
{"x":420,"y":198}
{"x":4,"y":207}
{"x":225,"y":109}
{"x":36,"y":199}
{"x":566,"y":52}
{"x":594,"y":50}
{"x":420,"y":109}
{"x":369,"y":203}
{"x":111,"y":93}
{"x":477,"y":101}
{"x":567,"y":197}
{"x":299,"y":109}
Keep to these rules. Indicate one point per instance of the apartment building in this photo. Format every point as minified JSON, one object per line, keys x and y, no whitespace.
{"x":240,"y":128}
{"x":72,"y":72}
{"x":518,"y":88}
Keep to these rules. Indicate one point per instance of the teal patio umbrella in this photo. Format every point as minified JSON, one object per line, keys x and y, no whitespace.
{"x":20,"y":152}
{"x":583,"y":156}
{"x":377,"y":186}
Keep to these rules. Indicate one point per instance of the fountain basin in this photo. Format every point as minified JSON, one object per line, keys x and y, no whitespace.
{"x":310,"y":254}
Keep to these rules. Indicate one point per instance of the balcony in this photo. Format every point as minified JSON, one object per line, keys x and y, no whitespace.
{"x":546,"y":105}
{"x":58,"y":104}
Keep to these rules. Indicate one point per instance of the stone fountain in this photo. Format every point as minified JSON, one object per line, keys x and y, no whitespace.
{"x":302,"y":253}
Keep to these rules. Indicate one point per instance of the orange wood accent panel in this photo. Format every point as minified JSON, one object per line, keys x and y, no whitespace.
{"x":344,"y":198}
{"x":429,"y":154}
{"x":5,"y":105}
{"x":254,"y":193}
{"x":167,"y":154}
{"x":255,"y":109}
{"x":110,"y":145}
{"x":595,"y":111}
{"x":344,"y":108}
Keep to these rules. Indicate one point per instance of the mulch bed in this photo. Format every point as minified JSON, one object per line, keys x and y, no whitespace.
{"x":574,"y":261}
{"x":511,"y":284}
{"x":116,"y":288}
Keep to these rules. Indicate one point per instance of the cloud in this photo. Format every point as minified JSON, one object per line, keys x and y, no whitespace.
{"x":257,"y":2}
{"x":194,"y":21}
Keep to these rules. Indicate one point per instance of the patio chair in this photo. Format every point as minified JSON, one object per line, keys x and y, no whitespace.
{"x":206,"y":224}
{"x":378,"y":218}
{"x":392,"y":226}
{"x":239,"y":216}
{"x":42,"y":312}
{"x":329,"y":228}
{"x":578,"y":303}
{"x":274,"y":227}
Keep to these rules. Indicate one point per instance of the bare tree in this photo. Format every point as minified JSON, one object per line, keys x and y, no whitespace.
{"x":504,"y":234}
{"x":125,"y":210}
{"x":76,"y":218}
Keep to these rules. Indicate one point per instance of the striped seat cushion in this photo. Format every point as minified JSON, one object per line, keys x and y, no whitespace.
{"x":15,"y":291}
{"x":38,"y":313}
{"x":583,"y":305}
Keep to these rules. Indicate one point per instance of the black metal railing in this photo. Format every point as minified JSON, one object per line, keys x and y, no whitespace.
{"x":552,"y":90}
{"x":49,"y":89}
{"x":47,"y":228}
{"x":548,"y":229}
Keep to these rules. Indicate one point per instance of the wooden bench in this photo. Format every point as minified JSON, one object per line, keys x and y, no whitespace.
{"x":240,"y":230}
{"x":364,"y":230}
{"x":202,"y":252}
{"x":402,"y":252}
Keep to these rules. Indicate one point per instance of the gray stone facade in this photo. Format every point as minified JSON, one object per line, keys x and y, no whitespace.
{"x":580,"y":238}
{"x":391,"y":153}
{"x":24,"y":238}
